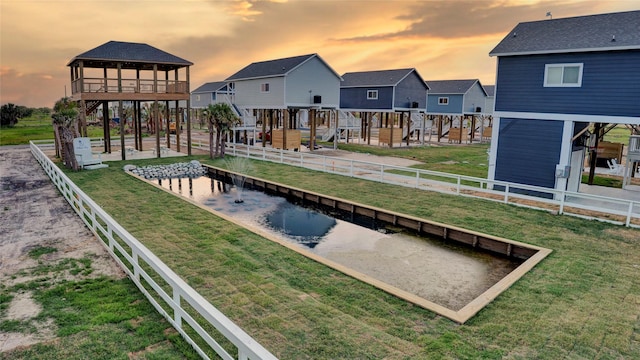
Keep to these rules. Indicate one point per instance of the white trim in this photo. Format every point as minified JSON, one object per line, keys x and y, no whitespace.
{"x":569,"y":117}
{"x":493,"y":149}
{"x":564,"y":51}
{"x":372,"y":92}
{"x":564,"y":158}
{"x":563,"y":66}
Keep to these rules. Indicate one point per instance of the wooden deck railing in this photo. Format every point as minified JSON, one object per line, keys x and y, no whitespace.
{"x":142,"y":86}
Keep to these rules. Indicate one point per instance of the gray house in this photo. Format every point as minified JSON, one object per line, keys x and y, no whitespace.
{"x":297,"y":82}
{"x":284,"y":93}
{"x":555,"y":78}
{"x":210,"y":93}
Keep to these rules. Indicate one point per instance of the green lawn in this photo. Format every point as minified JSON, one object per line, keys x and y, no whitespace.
{"x":38,"y":127}
{"x":583,"y":301}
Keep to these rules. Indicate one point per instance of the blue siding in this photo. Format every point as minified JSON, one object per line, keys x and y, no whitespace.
{"x":411,"y":89}
{"x":610,"y":84}
{"x":454,"y":107}
{"x":528,"y":151}
{"x":356,"y":98}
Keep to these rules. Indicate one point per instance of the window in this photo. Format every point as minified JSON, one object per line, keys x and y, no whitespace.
{"x":197,"y":97}
{"x":563,"y":75}
{"x":264,"y":87}
{"x":443,"y":101}
{"x":372,"y":94}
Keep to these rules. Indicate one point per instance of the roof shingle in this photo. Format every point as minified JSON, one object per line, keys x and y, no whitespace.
{"x":614,"y":31}
{"x":118,"y":51}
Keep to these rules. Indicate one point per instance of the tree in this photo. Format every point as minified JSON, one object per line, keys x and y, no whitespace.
{"x":65,"y":120}
{"x":11,"y":113}
{"x":221,"y":119}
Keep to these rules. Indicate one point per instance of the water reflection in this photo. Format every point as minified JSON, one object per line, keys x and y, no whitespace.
{"x":444,"y":273}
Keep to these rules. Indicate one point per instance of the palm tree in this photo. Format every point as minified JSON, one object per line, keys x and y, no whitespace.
{"x":65,"y":120}
{"x":222,"y":119}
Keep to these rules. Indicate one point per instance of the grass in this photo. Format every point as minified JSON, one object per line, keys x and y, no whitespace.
{"x":470,"y":160}
{"x":38,"y":127}
{"x":99,"y":319}
{"x":583,"y":301}
{"x":96,"y":318}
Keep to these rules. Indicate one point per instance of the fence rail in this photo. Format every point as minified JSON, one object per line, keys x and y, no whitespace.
{"x":613,"y":210}
{"x":166,"y":291}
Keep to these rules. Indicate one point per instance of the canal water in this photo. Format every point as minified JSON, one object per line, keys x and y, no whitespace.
{"x":447,"y":274}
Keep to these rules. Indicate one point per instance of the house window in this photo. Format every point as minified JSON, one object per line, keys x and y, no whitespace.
{"x":197,"y":97}
{"x":372,"y":94}
{"x":563,"y":75}
{"x":443,"y":101}
{"x":264,"y":87}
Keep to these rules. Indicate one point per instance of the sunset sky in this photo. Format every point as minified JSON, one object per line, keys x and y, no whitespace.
{"x":441,"y":39}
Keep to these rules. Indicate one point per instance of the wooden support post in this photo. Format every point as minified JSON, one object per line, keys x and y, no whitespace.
{"x":312,"y":130}
{"x":408,"y":127}
{"x":594,"y":154}
{"x":391,"y":131}
{"x":369,"y":130}
{"x":156,"y":119}
{"x":120,"y":113}
{"x":439,"y":127}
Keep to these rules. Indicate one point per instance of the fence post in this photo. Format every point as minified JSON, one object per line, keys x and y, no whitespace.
{"x":562,"y":198}
{"x":458,"y":181}
{"x":381,"y":172}
{"x":629,"y":212}
{"x":417,"y":179}
{"x":506,"y":194}
{"x":176,"y":314}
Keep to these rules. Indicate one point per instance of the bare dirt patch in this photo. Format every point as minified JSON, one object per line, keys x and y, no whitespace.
{"x":35,"y":216}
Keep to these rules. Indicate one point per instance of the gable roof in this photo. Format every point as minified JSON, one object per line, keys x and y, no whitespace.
{"x":210,"y":87}
{"x":614,"y":31}
{"x":489,"y":89}
{"x":274,"y":68}
{"x":452,"y":86}
{"x":377,"y":78}
{"x":130,"y":55}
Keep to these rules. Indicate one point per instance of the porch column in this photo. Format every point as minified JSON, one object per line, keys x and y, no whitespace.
{"x":565,"y":153}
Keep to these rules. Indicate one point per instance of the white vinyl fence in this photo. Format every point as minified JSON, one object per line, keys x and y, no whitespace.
{"x":614,"y":210}
{"x":200,"y":323}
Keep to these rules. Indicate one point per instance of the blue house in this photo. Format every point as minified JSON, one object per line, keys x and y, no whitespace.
{"x":554,"y":79}
{"x":384,"y":91}
{"x":210,"y":93}
{"x":452,"y":102}
{"x":455,"y":97}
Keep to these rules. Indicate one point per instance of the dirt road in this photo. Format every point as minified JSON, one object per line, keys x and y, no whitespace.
{"x":34,"y":216}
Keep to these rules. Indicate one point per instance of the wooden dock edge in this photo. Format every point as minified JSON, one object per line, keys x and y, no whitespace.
{"x":460,"y":316}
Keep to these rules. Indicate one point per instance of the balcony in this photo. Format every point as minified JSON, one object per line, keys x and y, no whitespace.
{"x":128,"y":86}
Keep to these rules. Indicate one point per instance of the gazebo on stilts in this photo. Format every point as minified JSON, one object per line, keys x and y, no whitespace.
{"x":135,"y":73}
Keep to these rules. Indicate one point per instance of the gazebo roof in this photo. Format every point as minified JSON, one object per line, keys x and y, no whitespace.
{"x":131,"y":56}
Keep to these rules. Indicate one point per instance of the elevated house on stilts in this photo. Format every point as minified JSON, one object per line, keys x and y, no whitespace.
{"x":561,"y":84}
{"x":457,"y":108}
{"x":394,"y":101}
{"x":278,"y":96}
{"x":133,"y":74}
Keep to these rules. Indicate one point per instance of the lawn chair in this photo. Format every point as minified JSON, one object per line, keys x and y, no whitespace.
{"x":85,"y":157}
{"x":614,"y":167}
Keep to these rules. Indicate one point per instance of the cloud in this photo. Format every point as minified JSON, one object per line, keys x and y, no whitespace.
{"x":471,"y":18}
{"x":439,"y":38}
{"x":31,"y":89}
